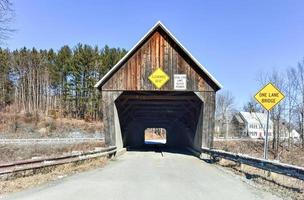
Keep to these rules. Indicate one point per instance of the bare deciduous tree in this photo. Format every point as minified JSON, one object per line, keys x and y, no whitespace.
{"x":298,"y":78}
{"x":291,"y":100}
{"x":252,"y":106}
{"x":224,"y":109}
{"x":277,"y":112}
{"x":6,"y":16}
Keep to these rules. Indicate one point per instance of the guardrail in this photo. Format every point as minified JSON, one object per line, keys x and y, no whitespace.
{"x":23,"y":165}
{"x":272,"y":166}
{"x":48,"y":140}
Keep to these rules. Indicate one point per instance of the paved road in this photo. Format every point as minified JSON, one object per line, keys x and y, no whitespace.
{"x":149,"y":175}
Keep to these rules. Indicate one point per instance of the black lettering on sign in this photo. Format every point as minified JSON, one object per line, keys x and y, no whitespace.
{"x":269,"y":100}
{"x":273,"y":94}
{"x":263,"y":94}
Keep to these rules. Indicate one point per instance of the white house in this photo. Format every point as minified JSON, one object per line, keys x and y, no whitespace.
{"x":294,"y":134}
{"x":252,"y":124}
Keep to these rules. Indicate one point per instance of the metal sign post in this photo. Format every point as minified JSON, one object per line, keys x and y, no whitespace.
{"x":268,"y":97}
{"x":266,"y":138}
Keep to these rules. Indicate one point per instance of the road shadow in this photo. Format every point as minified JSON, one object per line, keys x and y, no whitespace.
{"x":209,"y":160}
{"x":160,"y":148}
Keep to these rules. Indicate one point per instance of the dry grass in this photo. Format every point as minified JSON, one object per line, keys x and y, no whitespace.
{"x":14,"y":152}
{"x":49,"y":174}
{"x":285,"y":186}
{"x":282,"y":185}
{"x":293,"y":155}
{"x":29,"y":125}
{"x":35,"y":126}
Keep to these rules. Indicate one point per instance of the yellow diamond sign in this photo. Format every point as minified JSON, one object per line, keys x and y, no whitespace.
{"x":159,"y":78}
{"x":269,"y":96}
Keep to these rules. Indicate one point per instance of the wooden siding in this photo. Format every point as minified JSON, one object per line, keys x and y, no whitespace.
{"x":206,"y":126}
{"x":131,"y":77}
{"x":108,"y":109}
{"x":157,"y":52}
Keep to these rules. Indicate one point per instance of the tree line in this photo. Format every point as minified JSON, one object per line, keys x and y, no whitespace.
{"x":49,"y":82}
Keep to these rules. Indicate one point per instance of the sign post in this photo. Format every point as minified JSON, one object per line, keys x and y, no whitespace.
{"x":266,"y":138}
{"x":269,"y":96}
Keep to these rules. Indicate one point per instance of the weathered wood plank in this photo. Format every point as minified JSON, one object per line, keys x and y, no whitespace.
{"x":159,"y":51}
{"x":156,"y":52}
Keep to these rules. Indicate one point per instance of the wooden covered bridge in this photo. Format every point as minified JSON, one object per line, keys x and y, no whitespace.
{"x":158,"y":84}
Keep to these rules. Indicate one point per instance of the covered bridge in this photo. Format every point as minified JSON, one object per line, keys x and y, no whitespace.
{"x":158,"y":84}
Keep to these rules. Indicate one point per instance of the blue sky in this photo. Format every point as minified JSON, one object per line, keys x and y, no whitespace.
{"x":234,"y":40}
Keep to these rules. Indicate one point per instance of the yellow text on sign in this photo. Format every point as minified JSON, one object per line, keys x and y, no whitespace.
{"x":159,"y":78}
{"x":269,"y":96}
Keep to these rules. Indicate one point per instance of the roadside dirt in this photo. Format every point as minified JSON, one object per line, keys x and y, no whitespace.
{"x":17,"y":152}
{"x":293,"y":155}
{"x":31,"y":126}
{"x":50,"y":174}
{"x":286,"y":186}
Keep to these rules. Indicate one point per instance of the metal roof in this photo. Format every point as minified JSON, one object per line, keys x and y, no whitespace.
{"x":255,"y":117}
{"x":123,"y":59}
{"x":239,"y":119}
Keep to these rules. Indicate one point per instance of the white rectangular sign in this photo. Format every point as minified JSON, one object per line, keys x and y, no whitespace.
{"x":180,"y":82}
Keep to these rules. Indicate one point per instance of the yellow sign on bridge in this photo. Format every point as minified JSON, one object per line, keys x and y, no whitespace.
{"x":159,"y":78}
{"x":269,"y":96}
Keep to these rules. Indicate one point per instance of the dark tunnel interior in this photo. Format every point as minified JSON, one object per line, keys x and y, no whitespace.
{"x":177,"y":112}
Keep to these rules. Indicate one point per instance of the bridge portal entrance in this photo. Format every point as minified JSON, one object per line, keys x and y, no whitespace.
{"x":177,"y":112}
{"x":158,"y":83}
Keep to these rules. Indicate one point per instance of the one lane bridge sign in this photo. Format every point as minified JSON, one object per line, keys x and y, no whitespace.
{"x":269,"y":96}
